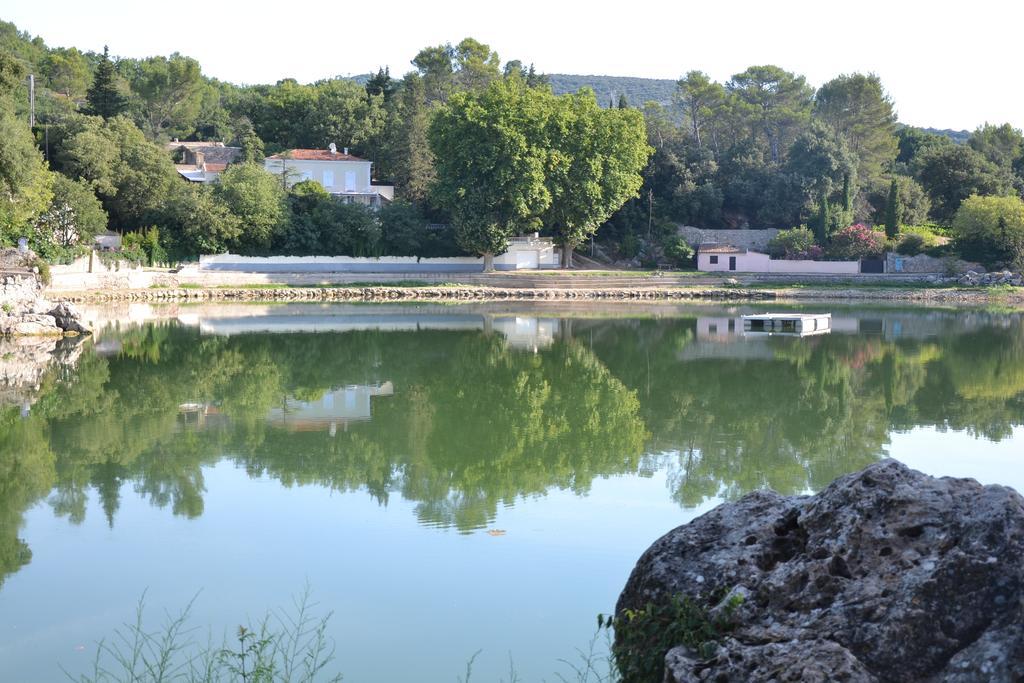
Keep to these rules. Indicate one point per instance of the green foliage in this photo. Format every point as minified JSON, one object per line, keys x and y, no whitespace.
{"x":893,"y":211}
{"x":194,"y":223}
{"x":796,"y":243}
{"x":911,"y":244}
{"x":167,"y":95}
{"x":951,"y":173}
{"x":74,"y":217}
{"x":857,"y":107}
{"x":144,"y":247}
{"x":991,"y":230}
{"x":257,"y":200}
{"x":25,"y":184}
{"x":491,"y":159}
{"x":106,"y":96}
{"x":1002,"y":145}
{"x":678,"y":251}
{"x":643,"y":636}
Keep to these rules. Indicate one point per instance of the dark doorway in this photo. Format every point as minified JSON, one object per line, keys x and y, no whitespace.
{"x":732,"y":263}
{"x":872,"y":265}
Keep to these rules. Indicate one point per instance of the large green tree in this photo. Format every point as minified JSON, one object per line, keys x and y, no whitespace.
{"x":776,"y":103}
{"x":255,"y":197}
{"x":596,"y":156}
{"x":857,"y":107}
{"x":951,"y":173}
{"x":491,"y":160}
{"x":168,"y":95}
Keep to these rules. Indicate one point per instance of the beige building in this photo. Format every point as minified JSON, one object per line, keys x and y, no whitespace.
{"x":340,"y":173}
{"x":202,"y":162}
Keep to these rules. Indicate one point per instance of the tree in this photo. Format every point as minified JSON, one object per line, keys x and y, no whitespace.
{"x":596,"y":159}
{"x":776,"y":101}
{"x":413,"y":159}
{"x":893,"y":211}
{"x":823,"y":222}
{"x":74,"y":217}
{"x":698,"y":97}
{"x":193,"y":223}
{"x":105,"y":97}
{"x":343,"y":113}
{"x":822,"y":164}
{"x":131,"y":175}
{"x":1002,"y":145}
{"x":991,"y":230}
{"x":168,"y":93}
{"x":25,"y":184}
{"x":256,"y":199}
{"x":381,"y":84}
{"x":857,"y":107}
{"x":491,"y":161}
{"x":67,"y":72}
{"x":951,"y":173}
{"x":623,"y":102}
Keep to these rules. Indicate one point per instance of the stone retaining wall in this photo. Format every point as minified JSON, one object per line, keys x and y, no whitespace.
{"x":756,"y":240}
{"x":18,"y":291}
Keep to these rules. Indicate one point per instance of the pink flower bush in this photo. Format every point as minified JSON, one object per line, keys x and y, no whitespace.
{"x":855,"y":242}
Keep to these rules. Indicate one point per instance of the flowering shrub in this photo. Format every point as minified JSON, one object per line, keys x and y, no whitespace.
{"x":797,"y":243}
{"x":855,"y":242}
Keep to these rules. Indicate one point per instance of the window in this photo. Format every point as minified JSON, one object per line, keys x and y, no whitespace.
{"x":328,"y":179}
{"x":714,"y":260}
{"x":306,"y":175}
{"x":350,"y":181}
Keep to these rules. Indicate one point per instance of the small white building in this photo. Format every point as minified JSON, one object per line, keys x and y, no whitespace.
{"x":340,"y":173}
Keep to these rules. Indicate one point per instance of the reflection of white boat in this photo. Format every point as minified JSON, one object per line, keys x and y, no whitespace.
{"x":790,"y":324}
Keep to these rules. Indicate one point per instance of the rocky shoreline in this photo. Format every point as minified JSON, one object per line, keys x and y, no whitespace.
{"x":25,"y":312}
{"x":480,"y":293}
{"x":886,"y":575}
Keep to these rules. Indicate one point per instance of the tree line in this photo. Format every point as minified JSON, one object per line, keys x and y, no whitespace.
{"x":763,"y":149}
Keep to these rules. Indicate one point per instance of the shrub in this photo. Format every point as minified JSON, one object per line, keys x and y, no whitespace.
{"x":855,"y":242}
{"x":630,"y":246}
{"x":678,"y":251}
{"x":792,"y":244}
{"x":911,"y":245}
{"x":991,"y":230}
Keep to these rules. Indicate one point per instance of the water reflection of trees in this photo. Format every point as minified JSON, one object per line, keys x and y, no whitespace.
{"x":473,"y":425}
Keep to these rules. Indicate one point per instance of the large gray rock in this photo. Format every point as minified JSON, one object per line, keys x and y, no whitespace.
{"x":886,"y":575}
{"x":69,"y":319}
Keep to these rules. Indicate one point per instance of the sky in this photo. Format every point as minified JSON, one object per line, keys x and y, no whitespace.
{"x":945,"y":64}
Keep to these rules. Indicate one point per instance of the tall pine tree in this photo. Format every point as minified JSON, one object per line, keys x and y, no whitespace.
{"x":104,"y":97}
{"x":893,"y":209}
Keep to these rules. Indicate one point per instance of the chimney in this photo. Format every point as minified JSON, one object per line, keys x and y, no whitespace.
{"x":346,"y":151}
{"x":334,"y":148}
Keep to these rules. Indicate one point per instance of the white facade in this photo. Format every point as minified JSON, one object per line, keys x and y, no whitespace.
{"x":337,"y":177}
{"x":755,"y":262}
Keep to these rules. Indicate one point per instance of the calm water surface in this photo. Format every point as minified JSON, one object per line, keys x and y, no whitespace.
{"x":449,"y":480}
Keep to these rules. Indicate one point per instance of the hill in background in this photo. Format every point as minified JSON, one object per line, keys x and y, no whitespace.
{"x":608,"y":88}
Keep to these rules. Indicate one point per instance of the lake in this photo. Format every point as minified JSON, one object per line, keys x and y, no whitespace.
{"x":448,"y":481}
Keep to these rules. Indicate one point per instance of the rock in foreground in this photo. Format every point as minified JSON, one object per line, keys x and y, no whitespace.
{"x":886,"y":575}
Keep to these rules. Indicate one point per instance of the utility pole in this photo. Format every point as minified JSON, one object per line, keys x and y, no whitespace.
{"x":31,"y":101}
{"x":650,"y":211}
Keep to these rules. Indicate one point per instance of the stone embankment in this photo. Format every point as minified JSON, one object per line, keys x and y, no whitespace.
{"x":731,"y":292}
{"x":886,"y":575}
{"x":384,"y":293}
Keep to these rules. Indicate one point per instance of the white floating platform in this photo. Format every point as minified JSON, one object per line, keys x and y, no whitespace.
{"x":796,"y":324}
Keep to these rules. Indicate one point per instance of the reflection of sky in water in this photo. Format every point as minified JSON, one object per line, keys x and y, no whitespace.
{"x":958,"y":454}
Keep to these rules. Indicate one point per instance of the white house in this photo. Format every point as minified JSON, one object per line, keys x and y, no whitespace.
{"x":341,"y":173}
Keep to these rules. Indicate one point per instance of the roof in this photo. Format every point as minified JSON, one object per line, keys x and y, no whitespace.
{"x":215,"y":168}
{"x":315,"y":155}
{"x":713,"y":248}
{"x":189,"y":144}
{"x":213,"y":154}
